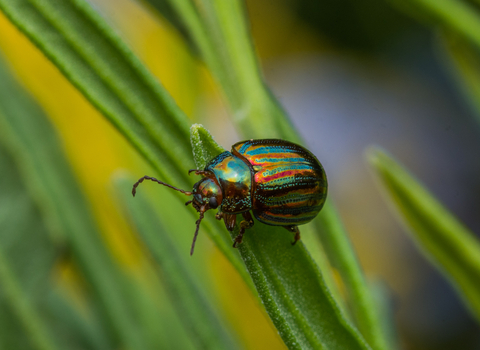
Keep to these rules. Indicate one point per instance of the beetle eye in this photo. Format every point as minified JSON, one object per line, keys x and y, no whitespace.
{"x":212,"y":202}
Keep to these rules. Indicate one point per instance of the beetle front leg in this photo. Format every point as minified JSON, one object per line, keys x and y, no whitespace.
{"x":230,"y":221}
{"x":219,"y":215}
{"x":296,"y":231}
{"x":244,"y":225}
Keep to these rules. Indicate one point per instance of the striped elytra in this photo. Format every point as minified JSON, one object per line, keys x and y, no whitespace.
{"x":289,"y":183}
{"x":281,"y":183}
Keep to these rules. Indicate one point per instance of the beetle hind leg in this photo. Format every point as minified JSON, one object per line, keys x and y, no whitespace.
{"x":244,"y":225}
{"x":296,"y":231}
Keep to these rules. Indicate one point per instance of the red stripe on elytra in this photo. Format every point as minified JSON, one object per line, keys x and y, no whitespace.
{"x":282,"y":174}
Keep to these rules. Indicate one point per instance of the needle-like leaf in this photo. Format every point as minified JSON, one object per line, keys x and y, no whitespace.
{"x":449,"y":245}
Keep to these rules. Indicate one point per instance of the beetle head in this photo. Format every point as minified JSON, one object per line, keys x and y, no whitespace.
{"x":207,"y":194}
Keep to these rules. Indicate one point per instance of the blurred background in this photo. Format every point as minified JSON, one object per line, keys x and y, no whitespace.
{"x":350,"y":74}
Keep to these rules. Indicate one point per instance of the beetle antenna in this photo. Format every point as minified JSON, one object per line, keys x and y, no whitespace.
{"x":202,"y":211}
{"x":188,"y":203}
{"x":134,"y":189}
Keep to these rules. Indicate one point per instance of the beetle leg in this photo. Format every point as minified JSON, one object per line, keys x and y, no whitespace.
{"x":244,"y":225}
{"x":219,"y":215}
{"x":230,"y":221}
{"x":296,"y":231}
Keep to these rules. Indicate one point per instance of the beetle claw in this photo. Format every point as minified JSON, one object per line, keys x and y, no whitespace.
{"x":238,"y":240}
{"x":297,"y":235}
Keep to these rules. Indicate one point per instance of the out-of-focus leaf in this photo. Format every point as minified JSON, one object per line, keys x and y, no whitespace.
{"x":23,"y":240}
{"x":365,"y":310}
{"x":73,"y":330}
{"x":464,"y":62}
{"x":220,"y":32}
{"x":381,"y":293}
{"x":79,"y":42}
{"x":292,"y":288}
{"x":28,"y":317}
{"x":206,"y":329}
{"x":167,"y":11}
{"x":26,"y":132}
{"x":444,"y":240}
{"x":456,"y":15}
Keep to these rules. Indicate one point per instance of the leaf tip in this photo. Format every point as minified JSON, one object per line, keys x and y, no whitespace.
{"x":204,"y":146}
{"x":378,"y":158}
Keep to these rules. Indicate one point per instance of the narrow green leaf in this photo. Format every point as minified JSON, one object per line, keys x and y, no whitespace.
{"x":381,"y":293}
{"x":77,"y":40}
{"x":23,"y":239}
{"x":204,"y":146}
{"x":366,"y":311}
{"x":27,"y":133}
{"x":445,"y":241}
{"x":292,"y":288}
{"x":455,"y":15}
{"x":91,"y":56}
{"x":220,"y":33}
{"x":19,"y":302}
{"x":74,"y":330}
{"x":255,"y":108}
{"x":206,"y":329}
{"x":464,"y":64}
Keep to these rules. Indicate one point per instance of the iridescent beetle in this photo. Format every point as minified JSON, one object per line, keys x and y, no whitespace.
{"x":282,"y":183}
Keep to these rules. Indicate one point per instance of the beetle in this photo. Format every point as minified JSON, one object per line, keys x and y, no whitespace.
{"x":282,"y":183}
